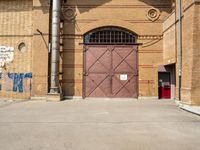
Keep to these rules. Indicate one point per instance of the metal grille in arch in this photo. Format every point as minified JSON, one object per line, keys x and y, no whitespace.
{"x":110,"y":35}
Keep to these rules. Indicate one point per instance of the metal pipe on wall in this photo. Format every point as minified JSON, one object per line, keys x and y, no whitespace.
{"x":180,"y":45}
{"x":55,"y":47}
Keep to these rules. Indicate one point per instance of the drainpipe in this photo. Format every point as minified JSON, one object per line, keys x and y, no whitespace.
{"x":55,"y":47}
{"x":180,"y":45}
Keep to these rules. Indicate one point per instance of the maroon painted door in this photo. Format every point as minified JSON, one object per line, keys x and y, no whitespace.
{"x":110,"y":71}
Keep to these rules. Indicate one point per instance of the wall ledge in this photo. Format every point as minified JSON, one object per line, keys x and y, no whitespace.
{"x":190,"y":108}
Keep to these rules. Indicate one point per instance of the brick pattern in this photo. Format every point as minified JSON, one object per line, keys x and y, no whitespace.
{"x":16,"y":27}
{"x":196,"y":58}
{"x":20,"y":20}
{"x":40,"y":55}
{"x":190,"y":76}
{"x":169,"y":40}
{"x":128,"y":14}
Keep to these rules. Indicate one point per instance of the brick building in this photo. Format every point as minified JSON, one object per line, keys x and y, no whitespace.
{"x":108,"y":48}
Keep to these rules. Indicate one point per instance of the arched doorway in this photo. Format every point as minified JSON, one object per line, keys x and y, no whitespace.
{"x":110,"y":63}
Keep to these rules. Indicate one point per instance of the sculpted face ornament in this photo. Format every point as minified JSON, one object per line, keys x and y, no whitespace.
{"x":153,"y":14}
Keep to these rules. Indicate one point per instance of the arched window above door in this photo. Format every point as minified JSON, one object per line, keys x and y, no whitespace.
{"x":110,"y":35}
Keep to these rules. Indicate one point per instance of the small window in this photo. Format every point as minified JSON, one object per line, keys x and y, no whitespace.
{"x":22,"y":47}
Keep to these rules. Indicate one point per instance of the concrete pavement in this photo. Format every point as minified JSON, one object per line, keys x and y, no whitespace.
{"x":121,"y":124}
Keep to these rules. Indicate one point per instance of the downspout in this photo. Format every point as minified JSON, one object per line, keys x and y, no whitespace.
{"x":55,"y":47}
{"x":180,"y":45}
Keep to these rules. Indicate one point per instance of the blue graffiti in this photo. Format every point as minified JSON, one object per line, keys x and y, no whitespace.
{"x":18,"y":80}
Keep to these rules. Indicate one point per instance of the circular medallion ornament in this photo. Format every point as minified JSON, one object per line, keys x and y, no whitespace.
{"x":69,"y":13}
{"x":153,"y":14}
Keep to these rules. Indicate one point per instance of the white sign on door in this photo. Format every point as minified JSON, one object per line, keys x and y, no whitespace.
{"x":123,"y":77}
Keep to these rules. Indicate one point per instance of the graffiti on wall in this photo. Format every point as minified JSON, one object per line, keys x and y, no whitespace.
{"x":15,"y":82}
{"x":12,"y":82}
{"x":6,"y":56}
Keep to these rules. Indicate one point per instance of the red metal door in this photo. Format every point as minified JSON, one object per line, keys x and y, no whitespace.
{"x":110,"y":71}
{"x":164,"y":85}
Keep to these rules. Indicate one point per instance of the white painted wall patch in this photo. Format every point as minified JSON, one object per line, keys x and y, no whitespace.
{"x":6,"y":55}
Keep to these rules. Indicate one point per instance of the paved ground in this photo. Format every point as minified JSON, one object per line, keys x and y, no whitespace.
{"x":97,"y":125}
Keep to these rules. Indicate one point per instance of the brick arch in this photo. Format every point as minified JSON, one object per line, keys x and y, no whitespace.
{"x":104,"y":23}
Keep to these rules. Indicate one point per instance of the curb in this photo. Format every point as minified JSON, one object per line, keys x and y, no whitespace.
{"x":192,"y":109}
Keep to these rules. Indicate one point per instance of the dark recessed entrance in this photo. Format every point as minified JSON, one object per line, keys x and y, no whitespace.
{"x":110,"y":63}
{"x":164,"y":86}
